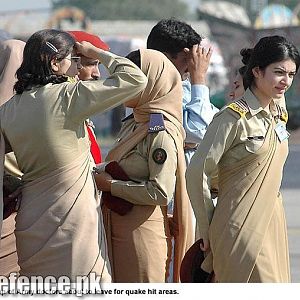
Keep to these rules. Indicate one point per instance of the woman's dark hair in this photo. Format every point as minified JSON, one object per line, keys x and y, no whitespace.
{"x":135,"y":57}
{"x":268,"y":50}
{"x":246,"y":54}
{"x":40,"y":49}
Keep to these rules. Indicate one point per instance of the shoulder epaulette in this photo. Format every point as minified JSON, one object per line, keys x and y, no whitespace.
{"x":156,"y":123}
{"x":282,"y":113}
{"x":240,"y":106}
{"x":71,"y":79}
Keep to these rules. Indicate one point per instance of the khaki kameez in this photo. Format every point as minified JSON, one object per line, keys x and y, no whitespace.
{"x":141,"y":239}
{"x":139,"y":242}
{"x":59,"y":226}
{"x":247,"y":229}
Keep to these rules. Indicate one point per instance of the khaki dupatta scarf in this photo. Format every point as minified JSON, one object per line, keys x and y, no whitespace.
{"x":163,"y":94}
{"x":59,"y":228}
{"x":249,"y":190}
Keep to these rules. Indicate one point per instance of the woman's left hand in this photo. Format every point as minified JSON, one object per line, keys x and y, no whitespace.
{"x":103,"y":181}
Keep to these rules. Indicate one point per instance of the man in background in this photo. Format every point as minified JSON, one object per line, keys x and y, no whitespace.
{"x":89,"y":70}
{"x":181,"y":44}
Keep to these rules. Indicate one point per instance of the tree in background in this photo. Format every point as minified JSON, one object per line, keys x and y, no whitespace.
{"x":128,"y":9}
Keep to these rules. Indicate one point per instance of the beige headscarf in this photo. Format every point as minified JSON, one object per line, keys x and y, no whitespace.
{"x":11,"y":53}
{"x":163,"y":94}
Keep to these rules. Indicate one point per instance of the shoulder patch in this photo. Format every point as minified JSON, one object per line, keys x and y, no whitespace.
{"x":156,"y":123}
{"x":240,"y":106}
{"x":159,"y":156}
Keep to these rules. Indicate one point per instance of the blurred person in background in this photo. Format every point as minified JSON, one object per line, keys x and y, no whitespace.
{"x":237,"y":88}
{"x":11,"y":55}
{"x":89,"y":70}
{"x":182,"y":45}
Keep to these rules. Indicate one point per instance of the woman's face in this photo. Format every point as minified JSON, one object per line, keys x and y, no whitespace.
{"x":237,"y":89}
{"x":68,"y":66}
{"x":275,"y":79}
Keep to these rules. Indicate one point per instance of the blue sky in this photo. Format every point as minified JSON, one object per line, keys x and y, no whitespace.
{"x":10,"y":5}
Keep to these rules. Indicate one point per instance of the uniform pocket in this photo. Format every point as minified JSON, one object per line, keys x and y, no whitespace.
{"x":254,"y":143}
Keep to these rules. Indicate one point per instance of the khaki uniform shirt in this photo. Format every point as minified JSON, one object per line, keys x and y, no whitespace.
{"x":229,"y":138}
{"x":152,"y":183}
{"x":46,"y":125}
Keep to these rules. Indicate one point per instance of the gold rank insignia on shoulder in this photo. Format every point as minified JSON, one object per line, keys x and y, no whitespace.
{"x":282,"y":113}
{"x":71,"y":79}
{"x":240,"y":106}
{"x":284,"y":116}
{"x":159,"y":156}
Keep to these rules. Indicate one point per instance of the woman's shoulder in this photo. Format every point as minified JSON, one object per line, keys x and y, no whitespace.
{"x":10,"y":102}
{"x":161,"y":139}
{"x":234,"y":111}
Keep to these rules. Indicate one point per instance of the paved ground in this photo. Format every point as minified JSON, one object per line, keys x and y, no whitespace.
{"x":291,"y":195}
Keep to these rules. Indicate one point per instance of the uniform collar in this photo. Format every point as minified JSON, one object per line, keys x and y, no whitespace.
{"x":254,"y":105}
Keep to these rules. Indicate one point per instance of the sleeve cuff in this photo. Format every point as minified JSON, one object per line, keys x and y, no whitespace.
{"x":200,"y":89}
{"x":116,"y":188}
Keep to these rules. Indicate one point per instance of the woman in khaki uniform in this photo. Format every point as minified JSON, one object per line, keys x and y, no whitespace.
{"x":59,"y":229}
{"x":150,"y":151}
{"x":245,"y":235}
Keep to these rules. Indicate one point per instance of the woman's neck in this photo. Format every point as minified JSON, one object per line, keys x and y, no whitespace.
{"x":262,"y":98}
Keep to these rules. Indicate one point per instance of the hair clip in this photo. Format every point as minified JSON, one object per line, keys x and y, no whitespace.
{"x":52,"y":47}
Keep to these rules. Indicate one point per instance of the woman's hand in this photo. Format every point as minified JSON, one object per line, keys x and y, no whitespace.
{"x":204,"y":245}
{"x":87,"y":49}
{"x":103,"y":181}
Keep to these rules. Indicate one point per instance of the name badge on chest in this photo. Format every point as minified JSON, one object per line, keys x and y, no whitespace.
{"x":281,"y":132}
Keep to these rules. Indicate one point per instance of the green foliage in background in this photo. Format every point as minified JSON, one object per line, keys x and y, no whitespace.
{"x":128,"y":9}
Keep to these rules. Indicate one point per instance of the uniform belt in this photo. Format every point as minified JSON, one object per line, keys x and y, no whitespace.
{"x":190,"y":146}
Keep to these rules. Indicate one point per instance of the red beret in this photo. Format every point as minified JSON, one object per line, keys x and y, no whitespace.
{"x":81,"y":36}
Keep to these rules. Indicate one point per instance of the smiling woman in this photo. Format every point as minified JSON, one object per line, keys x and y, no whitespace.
{"x":245,"y":235}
